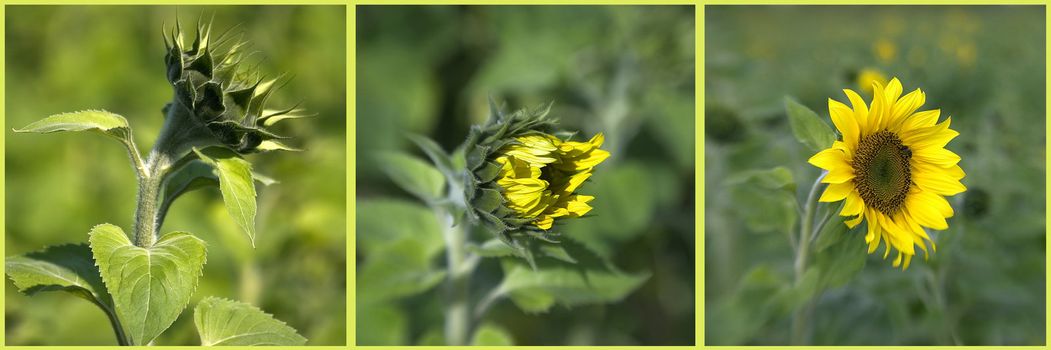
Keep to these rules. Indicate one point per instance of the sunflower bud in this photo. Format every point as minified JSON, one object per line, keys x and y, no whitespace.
{"x":523,"y":174}
{"x":216,"y":101}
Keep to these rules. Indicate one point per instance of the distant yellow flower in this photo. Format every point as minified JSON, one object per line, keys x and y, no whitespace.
{"x":540,"y":173}
{"x":867,"y":76}
{"x":886,"y":50}
{"x":891,"y":168}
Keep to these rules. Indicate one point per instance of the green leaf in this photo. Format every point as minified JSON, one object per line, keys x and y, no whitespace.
{"x":438,"y":156}
{"x":68,"y":268}
{"x":196,"y":175}
{"x":235,"y":183}
{"x":493,"y":248}
{"x":399,"y":269}
{"x":490,"y":334}
{"x":274,"y":145}
{"x":432,"y":337}
{"x":222,"y":322}
{"x":384,"y":221}
{"x":192,"y":176}
{"x":778,"y":178}
{"x":625,"y":204}
{"x":105,"y":122}
{"x":766,"y":199}
{"x":832,"y":232}
{"x":382,"y":324}
{"x":150,"y":286}
{"x":590,"y":280}
{"x":412,"y":175}
{"x":808,"y":128}
{"x":841,"y":254}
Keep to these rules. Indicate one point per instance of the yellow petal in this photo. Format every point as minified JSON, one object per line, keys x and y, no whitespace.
{"x":933,"y":137}
{"x":891,"y":94}
{"x":921,"y":119}
{"x":851,"y":223}
{"x":939,"y":156}
{"x":843,"y":147}
{"x":836,"y":192}
{"x":876,"y":110}
{"x":843,"y":118}
{"x":861,"y":111}
{"x":829,"y":159}
{"x":544,"y":222}
{"x":853,"y":205}
{"x":938,"y":183}
{"x":839,"y":175}
{"x":905,"y":107}
{"x":925,"y":210}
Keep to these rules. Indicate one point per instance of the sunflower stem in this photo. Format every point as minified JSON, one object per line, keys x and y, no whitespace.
{"x":460,"y":267}
{"x":801,"y":316}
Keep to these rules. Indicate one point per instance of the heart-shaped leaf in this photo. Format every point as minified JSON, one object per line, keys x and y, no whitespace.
{"x":150,"y":286}
{"x":226,"y":322}
{"x":235,"y":182}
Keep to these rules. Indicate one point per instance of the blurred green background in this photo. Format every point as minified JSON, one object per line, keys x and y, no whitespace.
{"x":984,"y":66}
{"x":625,"y":71}
{"x":69,"y":58}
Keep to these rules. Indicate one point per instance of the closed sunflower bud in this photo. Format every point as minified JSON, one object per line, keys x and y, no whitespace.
{"x":523,"y":174}
{"x":216,"y":101}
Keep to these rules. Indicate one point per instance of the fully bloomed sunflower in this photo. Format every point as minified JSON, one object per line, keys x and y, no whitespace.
{"x":891,"y":168}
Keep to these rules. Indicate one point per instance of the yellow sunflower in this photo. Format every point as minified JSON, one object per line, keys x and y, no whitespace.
{"x":540,"y":173}
{"x":891,"y":168}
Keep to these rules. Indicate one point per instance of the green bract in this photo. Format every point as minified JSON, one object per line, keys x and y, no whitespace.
{"x":484,"y":199}
{"x":216,"y":103}
{"x":144,"y":282}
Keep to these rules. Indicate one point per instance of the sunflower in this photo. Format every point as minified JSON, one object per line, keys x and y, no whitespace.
{"x":891,"y":168}
{"x":539,"y":174}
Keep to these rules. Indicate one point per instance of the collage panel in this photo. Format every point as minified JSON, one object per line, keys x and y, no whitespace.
{"x":525,"y":175}
{"x":875,"y":175}
{"x":220,"y":220}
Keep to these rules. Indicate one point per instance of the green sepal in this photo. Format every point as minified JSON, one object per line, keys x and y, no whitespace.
{"x":488,"y":172}
{"x":488,"y":200}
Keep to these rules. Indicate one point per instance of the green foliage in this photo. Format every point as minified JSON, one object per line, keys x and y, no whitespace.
{"x":808,"y":128}
{"x":767,"y":197}
{"x":235,"y":182}
{"x":150,"y":286}
{"x":222,"y":322}
{"x":489,"y":334}
{"x":586,"y":280}
{"x":404,"y":270}
{"x":839,"y":253}
{"x":413,"y":175}
{"x":105,"y":122}
{"x":67,"y":268}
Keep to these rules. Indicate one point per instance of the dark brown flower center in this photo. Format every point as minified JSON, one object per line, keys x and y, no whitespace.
{"x":881,"y":171}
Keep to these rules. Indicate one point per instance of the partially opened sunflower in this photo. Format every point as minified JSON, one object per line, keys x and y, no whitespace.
{"x":891,"y":168}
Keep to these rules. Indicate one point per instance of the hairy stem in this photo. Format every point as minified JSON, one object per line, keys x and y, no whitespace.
{"x":801,"y":316}
{"x":457,"y":308}
{"x":146,"y":211}
{"x":148,"y":205}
